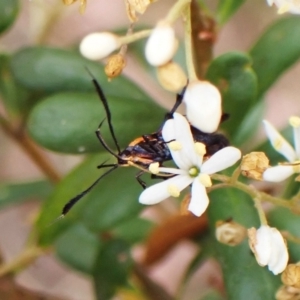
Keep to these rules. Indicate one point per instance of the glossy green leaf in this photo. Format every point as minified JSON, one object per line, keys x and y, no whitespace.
{"x":249,"y":125}
{"x":14,"y":97}
{"x":113,"y":201}
{"x":133,"y":231}
{"x":53,"y":70}
{"x":19,"y":192}
{"x":112,"y":268}
{"x":275,"y":51}
{"x":78,"y":247}
{"x":212,"y":295}
{"x":284,"y":219}
{"x":8,"y":13}
{"x":226,"y":8}
{"x":232,"y":74}
{"x":47,"y":226}
{"x":66,"y":122}
{"x":244,"y":278}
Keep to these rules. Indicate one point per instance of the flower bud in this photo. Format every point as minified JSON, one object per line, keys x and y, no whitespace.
{"x":99,"y":45}
{"x":203,"y":105}
{"x":161,"y":45}
{"x":171,"y":77}
{"x":230,"y":233}
{"x":287,"y":293}
{"x":115,"y":65}
{"x":269,"y":248}
{"x":254,"y":164}
{"x":291,"y":275}
{"x":136,"y":6}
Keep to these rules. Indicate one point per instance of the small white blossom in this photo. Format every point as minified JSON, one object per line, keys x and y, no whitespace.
{"x":281,"y":145}
{"x":269,"y":248}
{"x":203,"y":105}
{"x":98,"y":45}
{"x":161,"y":45}
{"x":188,"y":156}
{"x":292,"y":6}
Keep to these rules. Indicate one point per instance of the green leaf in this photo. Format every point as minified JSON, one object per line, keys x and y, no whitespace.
{"x":78,"y":247}
{"x":14,"y":97}
{"x":66,"y":122}
{"x":20,"y":192}
{"x":52,"y":70}
{"x":226,"y":8}
{"x":75,"y":182}
{"x":212,"y":295}
{"x":113,"y":201}
{"x":244,"y":278}
{"x":112,"y":268}
{"x":8,"y":13}
{"x":233,"y":75}
{"x":275,"y":51}
{"x":284,"y":219}
{"x":133,"y":231}
{"x":249,"y":125}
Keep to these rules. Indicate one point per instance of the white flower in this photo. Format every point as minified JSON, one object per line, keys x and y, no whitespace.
{"x":292,"y":6}
{"x":203,"y":105}
{"x":269,"y":248}
{"x":161,"y":45}
{"x":283,"y":171}
{"x":98,"y":45}
{"x":188,"y":156}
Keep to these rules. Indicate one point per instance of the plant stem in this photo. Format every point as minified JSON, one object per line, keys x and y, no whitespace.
{"x":189,"y":45}
{"x":252,"y":192}
{"x":31,"y":149}
{"x":24,"y":259}
{"x":127,"y":39}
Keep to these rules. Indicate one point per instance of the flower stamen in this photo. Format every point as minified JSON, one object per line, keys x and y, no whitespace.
{"x":205,"y":180}
{"x":200,"y":149}
{"x":154,"y":168}
{"x":175,"y":146}
{"x":294,"y":121}
{"x":173,"y":190}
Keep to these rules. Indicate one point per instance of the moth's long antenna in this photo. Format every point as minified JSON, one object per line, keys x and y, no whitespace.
{"x":74,"y":200}
{"x":107,"y":110}
{"x":103,"y":143}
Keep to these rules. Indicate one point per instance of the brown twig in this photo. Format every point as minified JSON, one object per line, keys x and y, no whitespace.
{"x":31,"y":149}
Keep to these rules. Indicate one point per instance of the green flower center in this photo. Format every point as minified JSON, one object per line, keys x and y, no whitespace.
{"x":194,"y":171}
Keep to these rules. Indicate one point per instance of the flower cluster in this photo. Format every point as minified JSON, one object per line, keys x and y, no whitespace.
{"x":192,"y":170}
{"x":203,"y":112}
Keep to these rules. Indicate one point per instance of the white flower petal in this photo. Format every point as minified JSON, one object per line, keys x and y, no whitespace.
{"x":185,"y":137}
{"x":161,"y":45}
{"x":99,"y":45}
{"x":203,"y":105}
{"x":158,"y":192}
{"x":278,"y":173}
{"x":279,"y":256}
{"x":263,"y":246}
{"x":270,"y":249}
{"x":199,"y":200}
{"x":221,"y":160}
{"x":295,"y":123}
{"x":270,"y":2}
{"x":279,"y":143}
{"x":168,"y":134}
